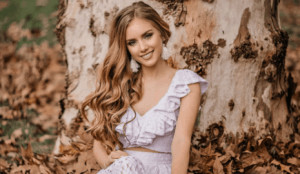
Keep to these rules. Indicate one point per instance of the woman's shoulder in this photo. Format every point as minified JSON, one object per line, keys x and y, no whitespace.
{"x":186,"y":77}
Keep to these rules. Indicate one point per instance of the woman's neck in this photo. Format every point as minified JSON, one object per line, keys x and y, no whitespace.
{"x":156,"y":71}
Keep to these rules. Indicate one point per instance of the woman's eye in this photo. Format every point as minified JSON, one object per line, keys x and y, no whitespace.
{"x":148,"y":35}
{"x":131,"y":43}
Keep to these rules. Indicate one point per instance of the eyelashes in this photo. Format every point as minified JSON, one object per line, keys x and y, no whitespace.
{"x":131,"y":43}
{"x":146,"y":36}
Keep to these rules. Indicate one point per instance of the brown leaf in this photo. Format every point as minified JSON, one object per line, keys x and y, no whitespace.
{"x":10,"y":141}
{"x":260,"y":170}
{"x":46,"y":137}
{"x":59,"y":169}
{"x":68,"y":149}
{"x":263,"y":153}
{"x":81,"y":146}
{"x":282,"y":166}
{"x":17,"y":133}
{"x":6,"y":148}
{"x":218,"y":167}
{"x":229,"y":154}
{"x":25,"y":169}
{"x":84,"y":136}
{"x":294,"y":161}
{"x":28,"y":155}
{"x":249,"y":159}
{"x":44,"y":170}
{"x":85,"y":163}
{"x":6,"y":112}
{"x":66,"y":158}
{"x":3,"y":164}
{"x":229,"y":168}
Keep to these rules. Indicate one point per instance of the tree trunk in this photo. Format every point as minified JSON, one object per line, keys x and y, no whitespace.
{"x":237,"y":45}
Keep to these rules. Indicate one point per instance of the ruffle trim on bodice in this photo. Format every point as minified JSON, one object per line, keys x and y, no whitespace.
{"x":161,"y":119}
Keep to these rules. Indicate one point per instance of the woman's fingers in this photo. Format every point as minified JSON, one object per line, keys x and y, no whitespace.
{"x":110,"y":160}
{"x":117,"y":154}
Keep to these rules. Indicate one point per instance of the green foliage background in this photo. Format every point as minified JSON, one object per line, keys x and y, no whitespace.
{"x":33,"y":17}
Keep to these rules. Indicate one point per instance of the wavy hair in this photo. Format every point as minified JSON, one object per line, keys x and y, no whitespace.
{"x":117,"y":86}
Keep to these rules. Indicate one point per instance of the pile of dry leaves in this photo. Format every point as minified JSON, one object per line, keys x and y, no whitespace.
{"x":31,"y":77}
{"x":32,"y":80}
{"x":219,"y":153}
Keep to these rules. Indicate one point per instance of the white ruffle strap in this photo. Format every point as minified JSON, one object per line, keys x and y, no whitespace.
{"x":191,"y":77}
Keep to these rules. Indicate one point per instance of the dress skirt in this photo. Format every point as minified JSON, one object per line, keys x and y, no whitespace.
{"x":140,"y":163}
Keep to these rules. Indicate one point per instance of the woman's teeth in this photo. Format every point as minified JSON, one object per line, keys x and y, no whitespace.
{"x":147,"y":55}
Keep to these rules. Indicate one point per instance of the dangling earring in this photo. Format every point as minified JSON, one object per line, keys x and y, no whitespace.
{"x":165,"y":53}
{"x":134,"y":65}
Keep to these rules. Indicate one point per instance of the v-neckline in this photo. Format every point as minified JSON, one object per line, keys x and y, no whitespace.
{"x":158,"y":100}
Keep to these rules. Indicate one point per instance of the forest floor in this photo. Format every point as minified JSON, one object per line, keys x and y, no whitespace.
{"x":32,"y":79}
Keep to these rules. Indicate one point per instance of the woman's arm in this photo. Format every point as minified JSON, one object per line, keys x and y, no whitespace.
{"x":102,"y":158}
{"x":184,"y":128}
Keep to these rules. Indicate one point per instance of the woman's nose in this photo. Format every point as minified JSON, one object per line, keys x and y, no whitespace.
{"x":143,"y":46}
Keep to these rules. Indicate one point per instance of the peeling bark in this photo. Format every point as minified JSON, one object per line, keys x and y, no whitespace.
{"x":60,"y":29}
{"x":198,"y":58}
{"x":243,"y":45}
{"x":221,"y":43}
{"x":177,"y":9}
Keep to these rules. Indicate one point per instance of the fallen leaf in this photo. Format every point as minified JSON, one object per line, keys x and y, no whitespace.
{"x":26,"y":169}
{"x":294,"y":161}
{"x":282,"y":166}
{"x":218,"y":167}
{"x":46,"y":137}
{"x":17,"y":133}
{"x":28,"y":155}
{"x":44,"y":170}
{"x":3,"y":164}
{"x":65,"y":159}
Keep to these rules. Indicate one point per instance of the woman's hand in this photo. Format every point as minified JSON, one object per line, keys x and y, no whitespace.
{"x":116,"y":155}
{"x":104,"y":159}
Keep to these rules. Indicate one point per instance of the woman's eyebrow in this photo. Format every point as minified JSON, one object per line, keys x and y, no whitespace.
{"x":146,"y":32}
{"x":142,"y":35}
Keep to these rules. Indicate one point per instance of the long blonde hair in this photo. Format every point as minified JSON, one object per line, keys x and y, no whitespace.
{"x":118,"y":87}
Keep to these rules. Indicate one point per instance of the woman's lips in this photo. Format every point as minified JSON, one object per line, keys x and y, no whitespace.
{"x":148,"y":55}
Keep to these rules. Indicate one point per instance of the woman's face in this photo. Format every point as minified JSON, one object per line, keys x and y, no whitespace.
{"x":144,"y":42}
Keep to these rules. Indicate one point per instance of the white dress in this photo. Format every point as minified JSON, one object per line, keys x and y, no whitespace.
{"x":154,"y":130}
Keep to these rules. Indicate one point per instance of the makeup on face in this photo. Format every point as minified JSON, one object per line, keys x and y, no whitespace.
{"x":144,"y":42}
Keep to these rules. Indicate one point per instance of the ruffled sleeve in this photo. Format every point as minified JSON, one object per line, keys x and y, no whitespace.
{"x":189,"y":77}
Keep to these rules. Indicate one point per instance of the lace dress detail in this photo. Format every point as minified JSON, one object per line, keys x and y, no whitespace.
{"x":126,"y":165}
{"x":155,"y":129}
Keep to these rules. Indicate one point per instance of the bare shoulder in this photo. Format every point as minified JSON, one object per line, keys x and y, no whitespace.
{"x":195,"y":89}
{"x":194,"y":94}
{"x":192,"y":99}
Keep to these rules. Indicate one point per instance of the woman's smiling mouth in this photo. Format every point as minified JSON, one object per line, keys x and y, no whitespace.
{"x":148,"y":55}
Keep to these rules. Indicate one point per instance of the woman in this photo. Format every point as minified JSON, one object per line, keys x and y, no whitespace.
{"x":140,"y":100}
